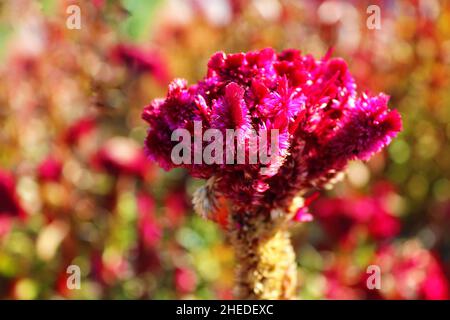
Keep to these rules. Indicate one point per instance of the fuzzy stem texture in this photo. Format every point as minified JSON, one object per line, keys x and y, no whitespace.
{"x":265,"y":258}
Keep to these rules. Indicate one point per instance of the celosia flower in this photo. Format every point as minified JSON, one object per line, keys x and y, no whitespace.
{"x":122,"y":156}
{"x":50,"y":169}
{"x":176,"y":205}
{"x":148,"y":229}
{"x":414,"y":273}
{"x":78,"y":130}
{"x":10,"y":206}
{"x":61,"y":282}
{"x":98,"y":3}
{"x":141,"y":60}
{"x":107,"y":271}
{"x":322,"y":122}
{"x":408,"y":271}
{"x":185,"y":280}
{"x":340,"y":283}
{"x":342,"y":217}
{"x":149,"y":234}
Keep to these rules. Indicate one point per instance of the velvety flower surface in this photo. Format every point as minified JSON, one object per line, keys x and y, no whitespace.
{"x":322,"y":122}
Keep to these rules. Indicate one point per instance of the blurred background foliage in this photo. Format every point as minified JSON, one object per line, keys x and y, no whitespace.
{"x":75,"y":187}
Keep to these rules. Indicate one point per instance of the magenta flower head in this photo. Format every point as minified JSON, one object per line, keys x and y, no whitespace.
{"x":294,"y":121}
{"x":322,"y":122}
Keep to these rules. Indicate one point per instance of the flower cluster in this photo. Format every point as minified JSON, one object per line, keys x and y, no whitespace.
{"x":321,"y":120}
{"x":416,"y":273}
{"x":408,"y":271}
{"x":345,"y":218}
{"x":68,"y":157}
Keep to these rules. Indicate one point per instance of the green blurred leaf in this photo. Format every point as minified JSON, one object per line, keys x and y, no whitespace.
{"x":138,"y":25}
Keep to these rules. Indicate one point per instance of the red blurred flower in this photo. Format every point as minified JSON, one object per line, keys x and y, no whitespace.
{"x":141,"y":60}
{"x":98,"y":3}
{"x":50,"y":169}
{"x":436,"y":284}
{"x":148,"y":228}
{"x":10,"y":206}
{"x":78,"y":130}
{"x":340,"y":285}
{"x":176,"y":205}
{"x":122,"y":156}
{"x":149,"y":235}
{"x":107,"y":272}
{"x":410,"y":271}
{"x":61,"y":283}
{"x":185,"y":280}
{"x":341,"y":217}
